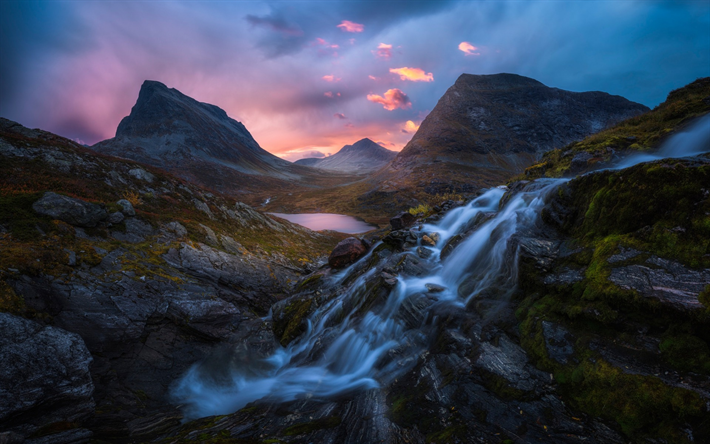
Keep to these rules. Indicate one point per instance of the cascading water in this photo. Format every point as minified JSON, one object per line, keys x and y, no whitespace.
{"x":344,"y":350}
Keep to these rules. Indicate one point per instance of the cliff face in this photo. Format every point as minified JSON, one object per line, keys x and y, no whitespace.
{"x":364,"y":156}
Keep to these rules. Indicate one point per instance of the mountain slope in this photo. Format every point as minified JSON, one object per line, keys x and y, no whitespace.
{"x":488,"y":127}
{"x":199,"y":142}
{"x":361,"y":157}
{"x":144,"y":270}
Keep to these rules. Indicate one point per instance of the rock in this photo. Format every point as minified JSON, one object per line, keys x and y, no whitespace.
{"x":402,"y":220}
{"x":434,"y":236}
{"x":580,"y":161}
{"x":346,"y":252}
{"x":72,"y":211}
{"x":667,"y":281}
{"x":127,"y":207}
{"x":450,"y":246}
{"x":426,"y":240}
{"x":44,"y":375}
{"x":73,"y":436}
{"x":136,"y":231}
{"x":176,"y":228}
{"x":116,"y":218}
{"x":423,"y":253}
{"x":141,"y":174}
{"x":566,"y":276}
{"x":557,"y":343}
{"x":210,"y":235}
{"x":201,"y":206}
{"x":434,"y":288}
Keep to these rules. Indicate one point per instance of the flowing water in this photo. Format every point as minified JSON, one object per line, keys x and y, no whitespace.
{"x":344,"y":350}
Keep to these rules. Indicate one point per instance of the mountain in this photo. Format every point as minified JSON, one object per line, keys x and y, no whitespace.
{"x":484,"y":130}
{"x":199,"y":142}
{"x":363,"y":156}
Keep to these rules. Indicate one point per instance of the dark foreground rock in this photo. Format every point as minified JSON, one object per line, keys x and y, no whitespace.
{"x":402,"y":220}
{"x":44,"y":376}
{"x":346,"y":252}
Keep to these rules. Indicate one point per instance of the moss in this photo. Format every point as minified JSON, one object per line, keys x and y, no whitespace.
{"x":641,"y":405}
{"x":295,"y":312}
{"x":686,"y":352}
{"x":17,"y":214}
{"x":704,"y":297}
{"x":313,"y":426}
{"x":10,"y":302}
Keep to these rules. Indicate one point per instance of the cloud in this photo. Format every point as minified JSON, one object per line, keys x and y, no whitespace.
{"x":468,"y":49}
{"x":340,"y":116}
{"x":275,"y":24}
{"x":296,"y":155}
{"x":384,"y":51}
{"x":331,"y":78}
{"x":385,"y":144}
{"x":371,"y":77}
{"x":349,"y":125}
{"x":348,"y":26}
{"x":410,"y":127}
{"x":331,"y":94}
{"x":413,"y":74}
{"x":393,"y":99}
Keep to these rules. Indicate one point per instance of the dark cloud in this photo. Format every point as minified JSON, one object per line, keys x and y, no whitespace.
{"x":275,"y":24}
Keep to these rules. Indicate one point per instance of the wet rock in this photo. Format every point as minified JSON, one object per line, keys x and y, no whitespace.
{"x":624,"y":255}
{"x":72,"y":211}
{"x":450,"y":246}
{"x":423,"y":253}
{"x":346,"y":252}
{"x":434,"y":288}
{"x":667,"y":281}
{"x":402,"y":220}
{"x":426,"y":240}
{"x":434,"y":236}
{"x":566,"y":276}
{"x":115,"y":218}
{"x":557,"y":343}
{"x":542,"y":252}
{"x":126,"y":207}
{"x":44,"y":374}
{"x":509,"y":361}
{"x":580,"y":161}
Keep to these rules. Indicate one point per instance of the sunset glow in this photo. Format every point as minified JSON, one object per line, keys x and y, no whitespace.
{"x":286,"y":71}
{"x":413,"y":74}
{"x":348,"y":26}
{"x":392,"y":99}
{"x":468,"y":49}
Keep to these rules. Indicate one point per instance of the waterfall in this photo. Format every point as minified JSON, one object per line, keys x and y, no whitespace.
{"x":345,"y":352}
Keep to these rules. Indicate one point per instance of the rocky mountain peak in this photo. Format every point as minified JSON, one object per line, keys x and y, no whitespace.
{"x":362,"y":156}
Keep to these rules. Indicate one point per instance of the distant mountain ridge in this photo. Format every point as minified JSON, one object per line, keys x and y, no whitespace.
{"x":361,"y":157}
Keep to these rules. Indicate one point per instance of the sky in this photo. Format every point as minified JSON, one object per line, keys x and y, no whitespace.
{"x":307,"y":77}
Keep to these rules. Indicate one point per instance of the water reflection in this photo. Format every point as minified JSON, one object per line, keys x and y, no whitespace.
{"x":328,"y":221}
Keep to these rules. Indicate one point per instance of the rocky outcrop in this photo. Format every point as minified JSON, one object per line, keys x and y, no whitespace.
{"x":70,"y":210}
{"x":44,"y":376}
{"x":346,"y":252}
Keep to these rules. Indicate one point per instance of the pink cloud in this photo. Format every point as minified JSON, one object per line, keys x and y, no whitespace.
{"x":392,"y":99}
{"x":468,"y":49}
{"x":410,"y":127}
{"x":384,"y":51}
{"x":386,"y":144}
{"x":349,"y":125}
{"x":372,"y":77}
{"x":331,"y":78}
{"x":331,"y":94}
{"x":413,"y":74}
{"x":348,"y":26}
{"x":339,"y":116}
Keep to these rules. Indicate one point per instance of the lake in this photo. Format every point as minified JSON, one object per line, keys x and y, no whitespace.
{"x":328,"y":221}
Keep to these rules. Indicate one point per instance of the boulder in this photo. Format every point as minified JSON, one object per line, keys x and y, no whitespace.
{"x":44,"y":374}
{"x":116,"y":218}
{"x":126,"y":207}
{"x":72,"y":211}
{"x":402,"y":220}
{"x":346,"y":252}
